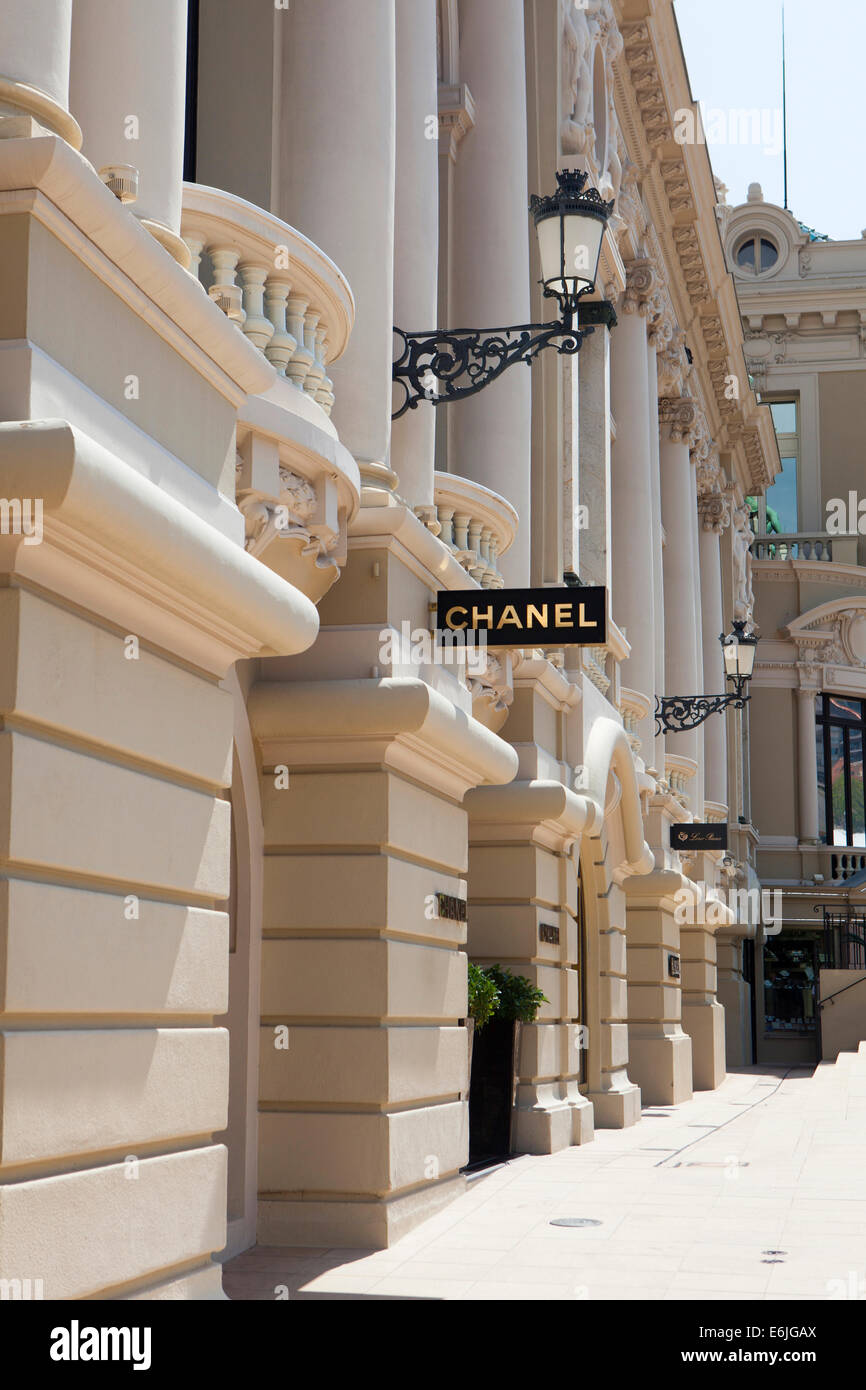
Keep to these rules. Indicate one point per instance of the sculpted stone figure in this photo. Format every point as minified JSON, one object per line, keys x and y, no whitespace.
{"x":744,"y":596}
{"x":577,"y":37}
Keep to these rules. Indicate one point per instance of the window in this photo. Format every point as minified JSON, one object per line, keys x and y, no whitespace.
{"x":841,"y":725}
{"x":756,"y":254}
{"x":791,"y":966}
{"x":778,"y":511}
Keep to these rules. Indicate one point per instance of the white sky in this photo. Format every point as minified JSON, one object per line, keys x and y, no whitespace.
{"x":733,"y":51}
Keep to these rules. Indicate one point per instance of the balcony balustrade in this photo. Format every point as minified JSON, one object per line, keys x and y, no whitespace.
{"x":806,"y":545}
{"x":296,"y":485}
{"x":476,"y":524}
{"x":634,"y":708}
{"x":280,"y":289}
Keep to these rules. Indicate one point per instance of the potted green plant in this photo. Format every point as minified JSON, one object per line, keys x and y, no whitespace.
{"x":494,"y":1063}
{"x":483,"y":1003}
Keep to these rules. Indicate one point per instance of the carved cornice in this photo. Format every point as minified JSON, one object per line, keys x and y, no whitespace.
{"x":750,"y":438}
{"x":643,"y":67}
{"x":692,"y":264}
{"x":677,"y":186}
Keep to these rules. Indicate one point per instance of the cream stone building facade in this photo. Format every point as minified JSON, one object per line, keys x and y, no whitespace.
{"x":226,"y":1014}
{"x":803,"y":300}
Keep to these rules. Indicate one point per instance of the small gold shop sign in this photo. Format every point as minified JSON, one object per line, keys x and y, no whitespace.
{"x":674,"y":967}
{"x":567,"y":617}
{"x":452,"y":909}
{"x":548,"y":934}
{"x":699,"y":835}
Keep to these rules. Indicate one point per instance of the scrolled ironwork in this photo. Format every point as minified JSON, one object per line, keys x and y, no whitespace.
{"x":677,"y":714}
{"x":448,"y":365}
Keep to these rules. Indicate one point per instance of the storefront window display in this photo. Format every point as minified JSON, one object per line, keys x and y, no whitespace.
{"x":791,"y":965}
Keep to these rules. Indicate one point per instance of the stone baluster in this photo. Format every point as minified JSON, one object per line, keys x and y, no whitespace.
{"x":224,"y":291}
{"x":461,"y":530}
{"x":282,"y":345}
{"x":445,"y":514}
{"x":302,"y":359}
{"x":486,"y":535}
{"x":477,"y":567}
{"x":498,"y":581}
{"x":325,"y":393}
{"x":257,"y":328}
{"x":195,"y":245}
{"x":316,"y":374}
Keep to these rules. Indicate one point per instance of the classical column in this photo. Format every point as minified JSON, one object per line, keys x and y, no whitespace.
{"x":593,"y":545}
{"x":490,"y":433}
{"x":34,"y":67}
{"x":456,"y":118}
{"x":698,"y":794}
{"x":657,"y":533}
{"x":683,"y":666}
{"x":714,"y":515}
{"x":336,"y":179}
{"x":807,"y":765}
{"x":128,"y":91}
{"x":416,"y":243}
{"x":633,"y":564}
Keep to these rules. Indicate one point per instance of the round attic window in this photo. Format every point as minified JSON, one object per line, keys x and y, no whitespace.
{"x":756,"y":254}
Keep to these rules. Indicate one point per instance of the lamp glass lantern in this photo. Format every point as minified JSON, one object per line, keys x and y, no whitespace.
{"x":738,"y":649}
{"x":570,"y":227}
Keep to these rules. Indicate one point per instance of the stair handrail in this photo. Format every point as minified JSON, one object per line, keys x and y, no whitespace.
{"x":861,"y":981}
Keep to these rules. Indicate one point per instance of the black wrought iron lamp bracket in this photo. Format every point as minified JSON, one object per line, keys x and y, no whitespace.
{"x":449,"y":364}
{"x":677,"y":714}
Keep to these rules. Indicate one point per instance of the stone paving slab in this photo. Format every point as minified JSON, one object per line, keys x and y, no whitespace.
{"x":751,"y":1191}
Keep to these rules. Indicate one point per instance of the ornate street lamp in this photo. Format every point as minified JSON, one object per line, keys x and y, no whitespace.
{"x":676,"y":714}
{"x":447,"y":364}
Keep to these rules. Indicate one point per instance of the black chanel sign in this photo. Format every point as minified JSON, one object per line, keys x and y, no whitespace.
{"x":566,"y":617}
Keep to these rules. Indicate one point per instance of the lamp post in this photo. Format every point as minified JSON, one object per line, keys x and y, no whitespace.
{"x":676,"y":714}
{"x":446,"y":365}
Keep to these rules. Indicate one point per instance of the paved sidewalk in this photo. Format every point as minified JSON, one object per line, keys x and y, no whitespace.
{"x":752,"y":1191}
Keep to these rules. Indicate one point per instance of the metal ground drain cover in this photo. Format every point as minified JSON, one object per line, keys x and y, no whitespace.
{"x":696,"y":1164}
{"x":575,"y":1221}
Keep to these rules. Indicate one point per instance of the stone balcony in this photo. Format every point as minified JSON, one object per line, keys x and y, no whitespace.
{"x":811,"y":545}
{"x":292,"y":302}
{"x":476,"y":524}
{"x":296,"y":484}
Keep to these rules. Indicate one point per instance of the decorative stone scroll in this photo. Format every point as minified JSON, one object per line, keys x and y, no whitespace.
{"x":682,"y":416}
